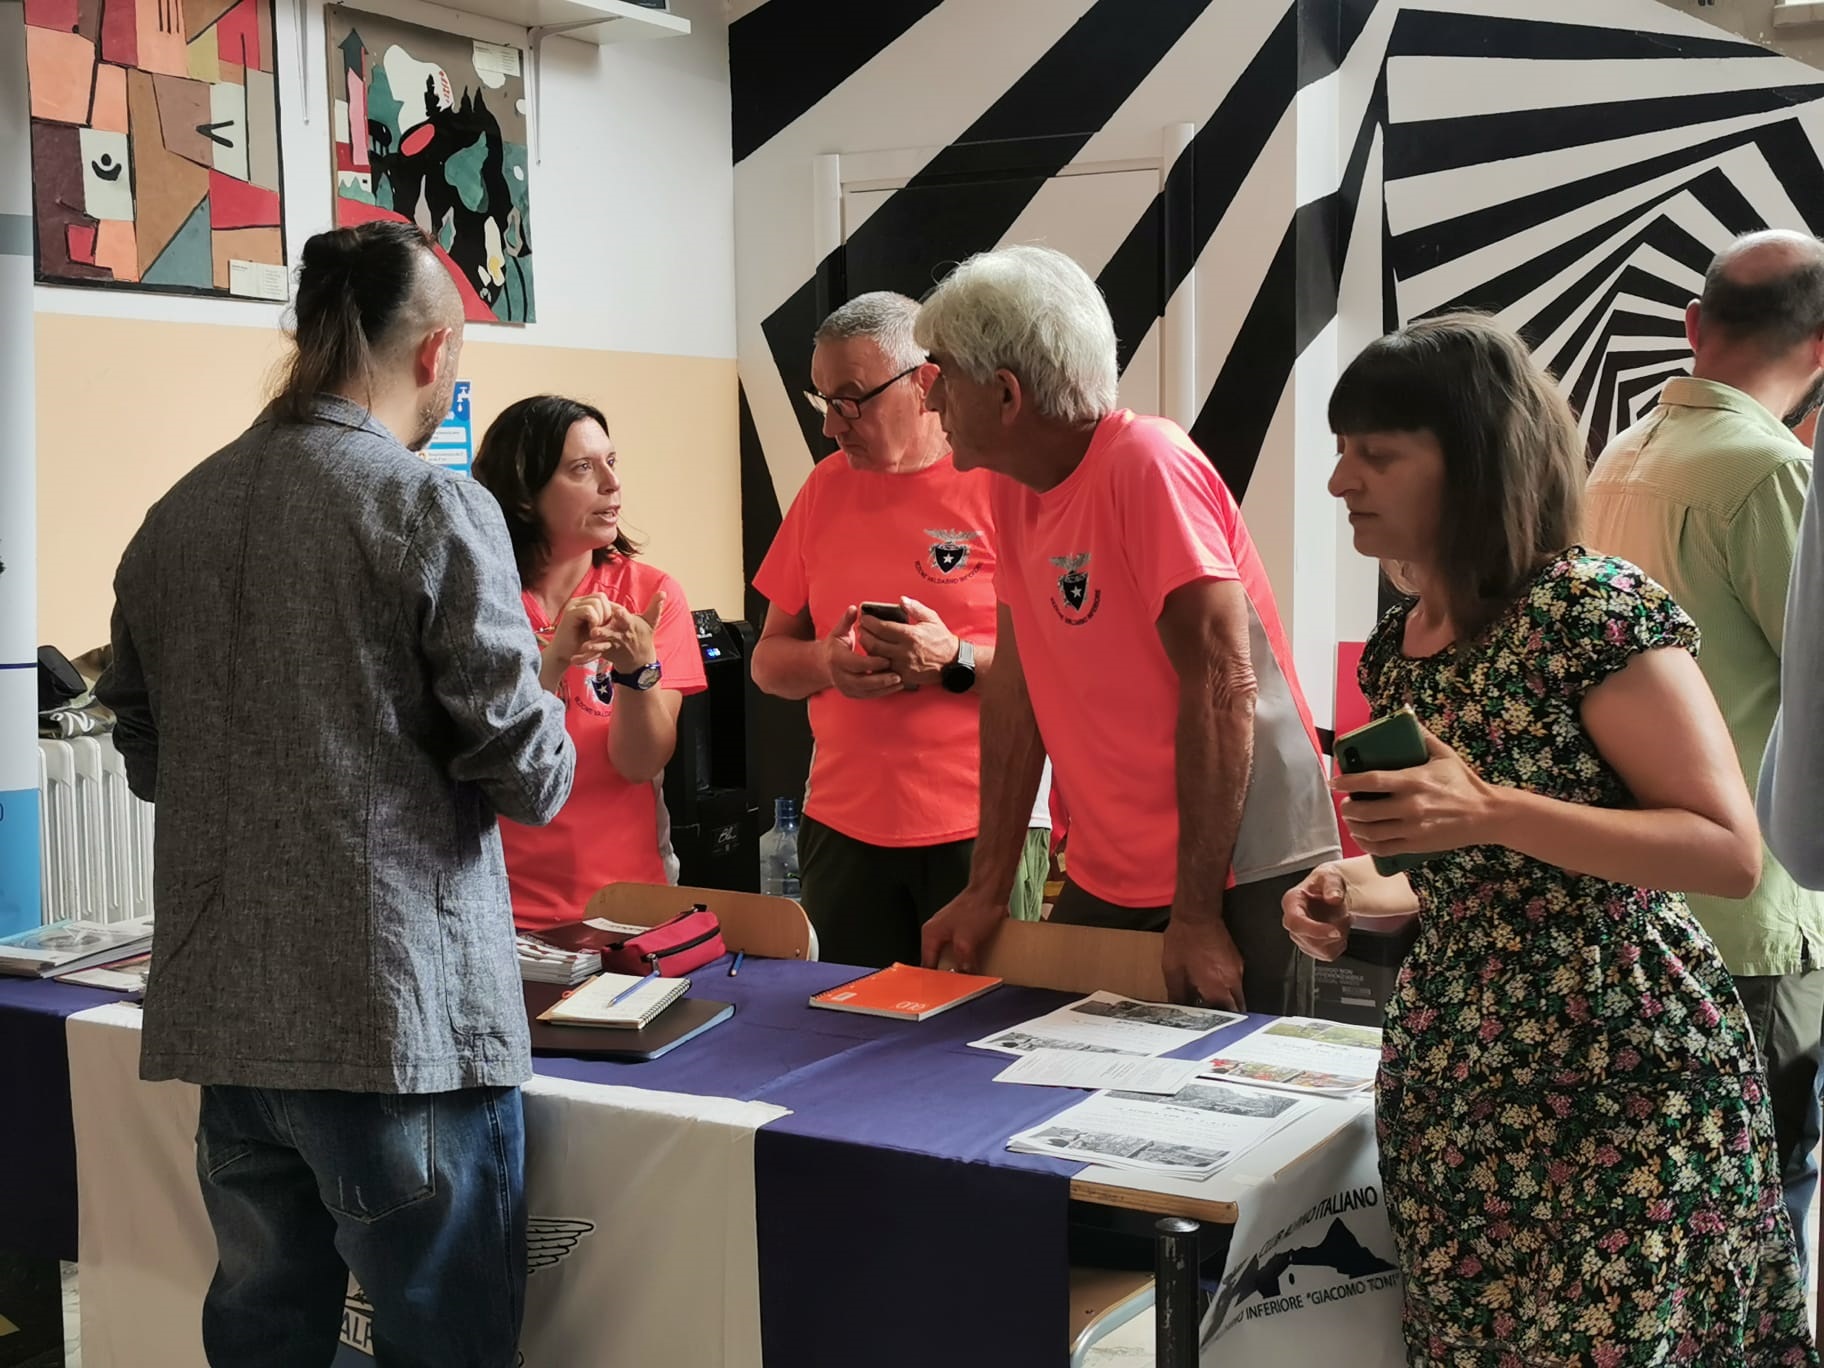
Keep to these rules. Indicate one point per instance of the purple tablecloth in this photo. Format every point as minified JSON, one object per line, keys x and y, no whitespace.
{"x":894,"y":1226}
{"x":37,"y":1141}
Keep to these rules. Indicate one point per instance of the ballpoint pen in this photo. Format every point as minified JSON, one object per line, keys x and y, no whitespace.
{"x":633,"y":987}
{"x":735,"y":968}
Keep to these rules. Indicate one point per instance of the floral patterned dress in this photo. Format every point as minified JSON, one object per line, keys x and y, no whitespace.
{"x":1575,"y":1140}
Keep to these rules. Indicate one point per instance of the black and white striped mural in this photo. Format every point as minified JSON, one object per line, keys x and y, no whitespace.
{"x":1577,"y":181}
{"x":1260,"y":187}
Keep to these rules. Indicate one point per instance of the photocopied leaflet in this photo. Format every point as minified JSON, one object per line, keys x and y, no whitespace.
{"x":1107,"y":1023}
{"x":1303,"y":1055}
{"x":1077,"y":1069}
{"x":1192,"y":1134}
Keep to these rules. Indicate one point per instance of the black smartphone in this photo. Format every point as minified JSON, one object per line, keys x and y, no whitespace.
{"x":886,"y":612}
{"x":1388,"y":743}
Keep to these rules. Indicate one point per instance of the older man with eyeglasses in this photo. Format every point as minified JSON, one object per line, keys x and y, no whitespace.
{"x":891,"y":530}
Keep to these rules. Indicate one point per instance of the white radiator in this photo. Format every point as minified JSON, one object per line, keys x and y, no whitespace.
{"x":94,"y":837}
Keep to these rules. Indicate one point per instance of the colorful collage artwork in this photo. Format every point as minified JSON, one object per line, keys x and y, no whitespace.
{"x":155,"y":145}
{"x":430,"y":128}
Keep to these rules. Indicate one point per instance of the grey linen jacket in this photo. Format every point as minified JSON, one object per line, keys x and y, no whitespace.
{"x":326,"y":682}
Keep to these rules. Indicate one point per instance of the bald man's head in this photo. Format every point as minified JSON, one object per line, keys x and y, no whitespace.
{"x":1766,"y":290}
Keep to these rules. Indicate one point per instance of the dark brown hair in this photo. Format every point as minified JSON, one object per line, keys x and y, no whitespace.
{"x":356,"y":288}
{"x":1513,"y":459}
{"x":519,"y":454}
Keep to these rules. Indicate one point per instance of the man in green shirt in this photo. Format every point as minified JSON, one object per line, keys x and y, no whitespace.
{"x":1705,"y":494}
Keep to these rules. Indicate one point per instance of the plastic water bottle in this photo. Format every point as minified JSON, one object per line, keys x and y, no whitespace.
{"x":779,"y":851}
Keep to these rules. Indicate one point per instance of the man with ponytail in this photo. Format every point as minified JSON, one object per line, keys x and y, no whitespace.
{"x":324,"y":681}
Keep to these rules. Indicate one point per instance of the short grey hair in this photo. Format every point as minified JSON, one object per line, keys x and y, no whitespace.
{"x":1035,"y":312}
{"x":883,"y":317}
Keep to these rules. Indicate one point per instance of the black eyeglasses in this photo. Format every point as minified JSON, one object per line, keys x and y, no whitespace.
{"x":848,"y":406}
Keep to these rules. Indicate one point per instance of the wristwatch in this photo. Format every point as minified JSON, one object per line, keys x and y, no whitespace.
{"x":959,"y":675}
{"x":640,"y":680}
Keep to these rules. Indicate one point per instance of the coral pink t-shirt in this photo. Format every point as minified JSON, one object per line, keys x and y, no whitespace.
{"x":902,"y":770}
{"x":1085,"y":570}
{"x":608,"y":829}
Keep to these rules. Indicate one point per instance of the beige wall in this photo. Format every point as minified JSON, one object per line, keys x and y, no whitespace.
{"x":126,"y":406}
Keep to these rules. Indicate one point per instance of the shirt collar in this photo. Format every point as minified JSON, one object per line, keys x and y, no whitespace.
{"x":343,"y":413}
{"x":1687,"y":391}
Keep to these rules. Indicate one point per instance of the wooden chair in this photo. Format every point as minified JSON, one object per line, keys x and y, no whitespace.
{"x":764,"y":926}
{"x":1076,"y":959}
{"x":1102,"y":1300}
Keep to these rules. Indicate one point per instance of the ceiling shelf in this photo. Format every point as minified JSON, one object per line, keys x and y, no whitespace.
{"x":592,"y":21}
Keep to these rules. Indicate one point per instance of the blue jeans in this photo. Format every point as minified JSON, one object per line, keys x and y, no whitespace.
{"x":421,"y":1197}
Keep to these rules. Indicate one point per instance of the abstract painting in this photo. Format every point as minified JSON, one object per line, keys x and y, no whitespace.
{"x":430,"y":128}
{"x":155,"y":145}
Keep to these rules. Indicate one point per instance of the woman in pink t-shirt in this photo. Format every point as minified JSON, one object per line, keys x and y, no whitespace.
{"x":612,"y":628}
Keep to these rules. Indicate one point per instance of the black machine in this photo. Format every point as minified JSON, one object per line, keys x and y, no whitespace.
{"x":715,"y":827}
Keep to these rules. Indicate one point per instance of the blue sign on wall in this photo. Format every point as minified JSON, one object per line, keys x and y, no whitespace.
{"x":453,"y":447}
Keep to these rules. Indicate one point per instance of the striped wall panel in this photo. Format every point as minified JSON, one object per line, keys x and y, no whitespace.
{"x":1569,"y":165}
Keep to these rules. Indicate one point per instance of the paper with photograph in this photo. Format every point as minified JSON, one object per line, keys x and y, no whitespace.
{"x":1111,"y":1024}
{"x":1192,"y":1133}
{"x":1302,"y":1054}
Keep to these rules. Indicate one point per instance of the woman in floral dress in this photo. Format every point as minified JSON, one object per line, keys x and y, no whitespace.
{"x":1575,"y":1141}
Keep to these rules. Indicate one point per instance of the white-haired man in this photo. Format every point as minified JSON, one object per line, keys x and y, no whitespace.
{"x":1139,"y":647}
{"x":890,"y":813}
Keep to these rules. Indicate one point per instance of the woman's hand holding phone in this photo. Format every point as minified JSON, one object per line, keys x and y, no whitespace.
{"x":1404,"y":812}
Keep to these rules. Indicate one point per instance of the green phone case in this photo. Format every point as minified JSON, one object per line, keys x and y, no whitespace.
{"x":1387,"y":743}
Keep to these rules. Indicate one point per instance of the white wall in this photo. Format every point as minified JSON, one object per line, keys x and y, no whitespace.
{"x":632,"y":204}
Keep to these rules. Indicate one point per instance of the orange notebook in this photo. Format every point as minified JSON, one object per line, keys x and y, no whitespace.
{"x":906,"y":992}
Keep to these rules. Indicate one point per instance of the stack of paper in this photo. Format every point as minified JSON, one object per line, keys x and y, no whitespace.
{"x":1192,"y":1133}
{"x":1097,"y":1071}
{"x":543,"y":963}
{"x":61,"y":947}
{"x":1302,"y":1054}
{"x":1107,"y":1023}
{"x":124,"y":976}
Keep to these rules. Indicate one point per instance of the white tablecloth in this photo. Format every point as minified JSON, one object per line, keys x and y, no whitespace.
{"x":641,"y":1226}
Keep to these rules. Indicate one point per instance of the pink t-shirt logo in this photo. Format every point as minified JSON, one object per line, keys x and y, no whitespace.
{"x":601,"y":687}
{"x":948,"y":555}
{"x":1073,"y":584}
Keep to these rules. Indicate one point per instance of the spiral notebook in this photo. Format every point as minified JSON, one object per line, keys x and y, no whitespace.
{"x":620,"y":1001}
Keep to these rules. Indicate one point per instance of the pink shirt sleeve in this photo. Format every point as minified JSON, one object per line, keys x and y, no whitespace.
{"x":1176,"y":515}
{"x":781,"y":579}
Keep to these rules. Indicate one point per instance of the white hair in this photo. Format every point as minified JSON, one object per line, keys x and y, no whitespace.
{"x":1032,"y":311}
{"x":885,"y":318}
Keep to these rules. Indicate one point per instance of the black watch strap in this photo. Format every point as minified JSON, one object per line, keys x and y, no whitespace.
{"x":639,"y":680}
{"x":959,"y":675}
